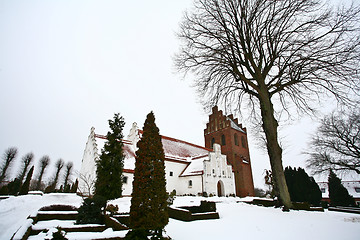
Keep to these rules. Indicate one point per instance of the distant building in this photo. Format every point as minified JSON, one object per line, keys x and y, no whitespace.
{"x":353,"y":188}
{"x":219,"y":170}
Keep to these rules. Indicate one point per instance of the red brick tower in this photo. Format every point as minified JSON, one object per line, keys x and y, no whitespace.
{"x":232,"y":137}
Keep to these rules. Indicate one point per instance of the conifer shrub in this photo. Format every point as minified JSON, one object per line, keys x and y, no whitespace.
{"x":109,"y":167}
{"x":149,"y":206}
{"x":91,"y":211}
{"x":59,"y":235}
{"x":338,"y":194}
{"x":302,"y":188}
{"x":25,"y":187}
{"x":137,"y":234}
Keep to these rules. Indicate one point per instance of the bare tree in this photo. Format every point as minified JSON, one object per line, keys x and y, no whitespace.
{"x":336,"y":145}
{"x":257,"y":53}
{"x":86,"y":184}
{"x":8,"y":158}
{"x":68,"y":169}
{"x":26,"y":161}
{"x":58,"y":166}
{"x":44,"y":162}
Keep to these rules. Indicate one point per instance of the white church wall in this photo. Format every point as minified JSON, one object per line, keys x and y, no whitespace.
{"x":87,"y":175}
{"x":217,"y":170}
{"x":189,"y":185}
{"x":172,"y":173}
{"x":127,"y":185}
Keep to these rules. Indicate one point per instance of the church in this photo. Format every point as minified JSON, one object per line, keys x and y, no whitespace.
{"x":221,"y":168}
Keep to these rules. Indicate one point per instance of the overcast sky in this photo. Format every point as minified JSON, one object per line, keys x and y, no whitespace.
{"x":66,"y":66}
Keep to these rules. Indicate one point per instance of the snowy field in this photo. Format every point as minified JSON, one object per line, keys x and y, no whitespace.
{"x":237,"y":220}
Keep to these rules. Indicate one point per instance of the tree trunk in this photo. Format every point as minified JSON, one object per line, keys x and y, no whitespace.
{"x":270,"y":127}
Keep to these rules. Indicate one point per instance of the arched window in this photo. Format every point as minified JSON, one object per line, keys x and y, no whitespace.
{"x":190,"y":183}
{"x":223,"y":142}
{"x":243,"y":142}
{"x":212,"y":142}
{"x":236,"y":140}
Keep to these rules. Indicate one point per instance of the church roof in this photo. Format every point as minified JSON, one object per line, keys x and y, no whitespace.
{"x":175,"y":150}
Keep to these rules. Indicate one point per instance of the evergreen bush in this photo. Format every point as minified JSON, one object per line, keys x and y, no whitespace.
{"x":149,"y":208}
{"x":92,"y":210}
{"x":302,"y":188}
{"x":25,"y":187}
{"x":338,"y":194}
{"x":109,"y":167}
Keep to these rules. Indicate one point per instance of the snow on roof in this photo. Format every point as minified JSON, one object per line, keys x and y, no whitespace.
{"x":235,"y":126}
{"x":196,"y":167}
{"x":174,"y":149}
{"x":353,"y":188}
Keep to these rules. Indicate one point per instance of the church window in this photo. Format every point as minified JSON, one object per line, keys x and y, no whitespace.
{"x":236,"y":140}
{"x":323,"y":190}
{"x":212,"y":142}
{"x":125,"y":179}
{"x":213,"y":171}
{"x":171,"y":174}
{"x":243,"y":142}
{"x":190,"y":183}
{"x":357,"y":189}
{"x":223,"y":142}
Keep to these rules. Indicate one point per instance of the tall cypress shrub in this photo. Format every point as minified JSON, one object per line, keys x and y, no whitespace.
{"x":25,"y":187}
{"x":338,"y":194}
{"x":109,"y":167}
{"x":148,"y":211}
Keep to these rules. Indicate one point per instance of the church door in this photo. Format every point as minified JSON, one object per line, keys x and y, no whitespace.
{"x":220,"y":189}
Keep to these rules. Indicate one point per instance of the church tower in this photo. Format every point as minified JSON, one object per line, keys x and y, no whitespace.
{"x":232,"y":137}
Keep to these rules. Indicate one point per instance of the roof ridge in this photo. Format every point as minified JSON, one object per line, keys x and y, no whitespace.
{"x":182,"y":141}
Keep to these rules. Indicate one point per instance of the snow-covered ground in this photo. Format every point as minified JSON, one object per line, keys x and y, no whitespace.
{"x":238,"y":220}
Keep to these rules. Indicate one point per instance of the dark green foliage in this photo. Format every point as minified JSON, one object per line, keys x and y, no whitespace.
{"x":149,"y":198}
{"x":91,"y":211}
{"x":14,"y":186}
{"x":74,"y":186}
{"x":59,"y":235}
{"x":302,"y":188}
{"x":110,"y":166}
{"x":9,"y":156}
{"x":25,"y":187}
{"x":338,"y":194}
{"x":4,"y":190}
{"x":137,"y":234}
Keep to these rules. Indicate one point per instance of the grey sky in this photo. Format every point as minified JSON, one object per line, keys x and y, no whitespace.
{"x":66,"y":66}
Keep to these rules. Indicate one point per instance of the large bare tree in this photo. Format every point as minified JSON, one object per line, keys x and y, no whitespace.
{"x":270,"y":55}
{"x":336,"y":144}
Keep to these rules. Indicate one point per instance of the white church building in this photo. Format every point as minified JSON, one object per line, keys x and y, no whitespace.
{"x":189,"y":168}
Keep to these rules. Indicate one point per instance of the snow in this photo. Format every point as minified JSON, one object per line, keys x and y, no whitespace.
{"x":238,"y":220}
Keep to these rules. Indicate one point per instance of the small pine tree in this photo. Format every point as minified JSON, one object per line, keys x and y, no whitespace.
{"x":148,"y":209}
{"x":338,"y":194}
{"x":25,"y":187}
{"x":109,"y":167}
